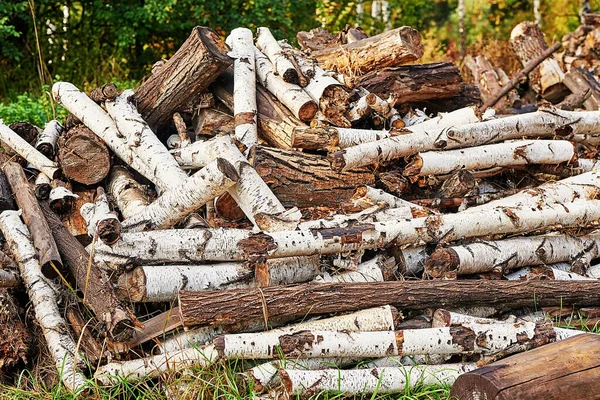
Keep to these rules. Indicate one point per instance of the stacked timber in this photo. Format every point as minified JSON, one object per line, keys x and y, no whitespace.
{"x":300,"y":210}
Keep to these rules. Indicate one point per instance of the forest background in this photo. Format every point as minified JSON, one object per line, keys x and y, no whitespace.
{"x":94,"y":42}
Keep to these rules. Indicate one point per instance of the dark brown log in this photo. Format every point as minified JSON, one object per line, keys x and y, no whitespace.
{"x":514,"y":100}
{"x":306,"y":180}
{"x":581,"y":80}
{"x":83,"y":156}
{"x":469,"y":95}
{"x":98,"y":293}
{"x":197,"y":63}
{"x":6,"y":196}
{"x":389,"y":49}
{"x":226,"y":207}
{"x":70,"y":122}
{"x":228,"y":307}
{"x":105,"y":92}
{"x":33,"y":216}
{"x":15,"y":339}
{"x":567,"y":369}
{"x":591,"y":18}
{"x":411,"y":83}
{"x":83,"y":335}
{"x":26,"y":131}
{"x":156,"y":326}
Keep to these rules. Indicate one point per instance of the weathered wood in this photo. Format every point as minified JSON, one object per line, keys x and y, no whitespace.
{"x":212,"y":121}
{"x":15,"y":338}
{"x":469,"y":95}
{"x":566,"y":369}
{"x":197,"y":63}
{"x":581,"y":80}
{"x":83,"y":156}
{"x":306,"y":180}
{"x":485,"y":77}
{"x":156,"y":326}
{"x":105,"y":92}
{"x":98,"y":293}
{"x":237,"y":305}
{"x":389,"y":49}
{"x":411,"y":83}
{"x":73,"y":220}
{"x":43,"y":242}
{"x":88,"y":343}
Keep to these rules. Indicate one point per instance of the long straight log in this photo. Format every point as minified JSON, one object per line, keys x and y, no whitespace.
{"x":232,"y":306}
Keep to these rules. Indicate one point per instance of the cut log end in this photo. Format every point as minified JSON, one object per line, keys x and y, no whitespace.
{"x":83,"y":156}
{"x":291,"y":76}
{"x":228,"y":209}
{"x":337,"y":161}
{"x":132,"y":285}
{"x":308,"y":111}
{"x":441,"y":262}
{"x":109,"y":230}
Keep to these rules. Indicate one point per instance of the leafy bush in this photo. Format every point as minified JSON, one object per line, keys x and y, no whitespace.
{"x":35,"y":109}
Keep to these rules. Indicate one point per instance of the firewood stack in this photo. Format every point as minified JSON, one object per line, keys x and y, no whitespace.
{"x":248,"y":186}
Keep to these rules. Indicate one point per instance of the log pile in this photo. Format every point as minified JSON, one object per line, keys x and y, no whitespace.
{"x":299,"y":209}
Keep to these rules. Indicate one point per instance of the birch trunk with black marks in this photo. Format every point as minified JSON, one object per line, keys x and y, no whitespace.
{"x":130,"y":196}
{"x":42,"y":186}
{"x":101,"y":220}
{"x":46,"y":142}
{"x":269,"y":46}
{"x":63,"y":349}
{"x":368,"y":271}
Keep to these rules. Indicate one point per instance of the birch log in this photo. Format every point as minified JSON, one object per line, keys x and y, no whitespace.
{"x":46,"y":142}
{"x":487,"y":339}
{"x":130,"y":196}
{"x":197,"y":63}
{"x":503,"y":255}
{"x":62,"y":348}
{"x":367,"y":196}
{"x":269,"y":46}
{"x":373,"y":380}
{"x":292,"y":96}
{"x":368,"y":271}
{"x":178,"y":202}
{"x":244,"y":92}
{"x":42,"y":186}
{"x":97,"y":120}
{"x":28,"y":152}
{"x":101,"y":220}
{"x":227,"y":307}
{"x":143,"y":141}
{"x":518,"y":152}
{"x":163,"y":283}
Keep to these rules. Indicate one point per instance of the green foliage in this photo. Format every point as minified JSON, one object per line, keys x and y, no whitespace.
{"x":35,"y":109}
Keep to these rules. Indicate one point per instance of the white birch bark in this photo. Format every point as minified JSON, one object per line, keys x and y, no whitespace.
{"x":173,"y":246}
{"x":28,"y":152}
{"x":594,"y":271}
{"x":97,"y":213}
{"x":588,"y":164}
{"x":443,"y":318}
{"x":244,"y":85}
{"x":189,"y":339}
{"x":358,"y":110}
{"x":143,"y":141}
{"x":367,"y":196}
{"x":374,"y":213}
{"x":63,"y":349}
{"x":46,"y":141}
{"x":185,"y":198}
{"x":412,"y":260}
{"x":290,"y":95}
{"x":174,"y":142}
{"x":268,"y":45}
{"x":152,"y":367}
{"x":554,"y":273}
{"x":251,"y":193}
{"x":520,"y":152}
{"x":60,"y":194}
{"x":379,"y":105}
{"x":42,"y":186}
{"x":368,"y":271}
{"x":371,"y":380}
{"x":447,"y":227}
{"x":162,"y":283}
{"x":130,"y":196}
{"x":99,"y":122}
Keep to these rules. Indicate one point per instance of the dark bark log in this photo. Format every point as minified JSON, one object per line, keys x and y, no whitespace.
{"x":6,"y":196}
{"x":469,"y":95}
{"x":90,"y":346}
{"x":317,"y":39}
{"x":156,"y":326}
{"x":591,"y":18}
{"x":33,"y":216}
{"x":486,"y":78}
{"x":105,"y":92}
{"x":98,"y":293}
{"x":412,"y":83}
{"x":238,"y":305}
{"x":566,"y":369}
{"x":15,"y":338}
{"x":306,"y":180}
{"x":197,"y":63}
{"x":26,"y":131}
{"x":83,"y":156}
{"x":580,"y":80}
{"x":389,"y":49}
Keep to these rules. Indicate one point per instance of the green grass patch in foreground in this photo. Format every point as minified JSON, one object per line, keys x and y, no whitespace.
{"x":221,"y":381}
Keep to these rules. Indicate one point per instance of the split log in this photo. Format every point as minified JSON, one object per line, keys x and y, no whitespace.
{"x":152,"y":367}
{"x":142,"y":140}
{"x":251,"y":193}
{"x":580,"y":80}
{"x":197,"y":63}
{"x":485,"y":76}
{"x":373,"y":380}
{"x":518,"y":152}
{"x":163,"y":283}
{"x":389,"y":49}
{"x":485,"y":339}
{"x":292,"y":96}
{"x":237,"y":305}
{"x":83,"y":156}
{"x":130,"y":196}
{"x":46,"y":142}
{"x":527,"y":41}
{"x":269,"y":46}
{"x":28,"y":152}
{"x":503,"y":255}
{"x":96,"y":119}
{"x":305,"y":180}
{"x":514,"y":100}
{"x":98,"y":293}
{"x":45,"y":247}
{"x":244,"y":93}
{"x":411,"y":83}
{"x":15,"y":339}
{"x":62,"y":348}
{"x":566,"y":369}
{"x":178,"y":202}
{"x":100,"y":220}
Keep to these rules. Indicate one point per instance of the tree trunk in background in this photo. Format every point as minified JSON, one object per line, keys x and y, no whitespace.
{"x":462,"y":28}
